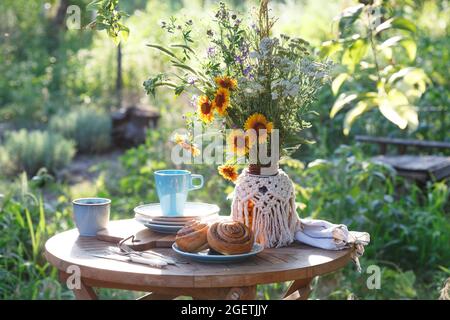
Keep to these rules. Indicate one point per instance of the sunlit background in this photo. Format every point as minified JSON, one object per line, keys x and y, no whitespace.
{"x":60,"y":88}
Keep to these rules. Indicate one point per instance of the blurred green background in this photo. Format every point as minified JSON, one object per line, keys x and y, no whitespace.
{"x":58,"y":88}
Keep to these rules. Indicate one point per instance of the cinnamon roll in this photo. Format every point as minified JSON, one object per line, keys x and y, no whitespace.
{"x":230,"y":237}
{"x":192,"y":237}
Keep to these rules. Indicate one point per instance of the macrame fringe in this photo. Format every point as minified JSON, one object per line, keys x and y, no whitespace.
{"x":266,"y":204}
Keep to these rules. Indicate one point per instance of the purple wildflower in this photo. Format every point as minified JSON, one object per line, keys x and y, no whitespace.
{"x":254,"y":27}
{"x":211,"y":51}
{"x":247,"y":70}
{"x":194,"y":100}
{"x":191,"y":80}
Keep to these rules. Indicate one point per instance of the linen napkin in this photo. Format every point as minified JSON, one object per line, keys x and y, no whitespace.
{"x":329,"y":236}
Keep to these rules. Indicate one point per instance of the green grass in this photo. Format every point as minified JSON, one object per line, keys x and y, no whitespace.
{"x":32,"y":150}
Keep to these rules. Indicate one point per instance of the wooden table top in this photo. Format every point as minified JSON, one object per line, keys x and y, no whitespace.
{"x":272,"y":265}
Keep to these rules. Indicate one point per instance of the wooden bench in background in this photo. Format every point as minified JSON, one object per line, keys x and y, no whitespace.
{"x":421,"y":168}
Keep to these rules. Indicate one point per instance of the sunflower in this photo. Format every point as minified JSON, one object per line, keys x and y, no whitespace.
{"x":239,"y":142}
{"x":182,"y":140}
{"x":193,"y":149}
{"x":179,"y":138}
{"x":221,"y":101}
{"x":257,"y":122}
{"x":226,"y":82}
{"x":205,"y":109}
{"x":228,"y":172}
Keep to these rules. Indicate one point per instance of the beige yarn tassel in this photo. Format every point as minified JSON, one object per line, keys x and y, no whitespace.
{"x":273,"y":218}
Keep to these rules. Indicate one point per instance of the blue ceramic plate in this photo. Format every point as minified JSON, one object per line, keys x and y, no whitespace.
{"x":163,"y":228}
{"x":208,"y":256}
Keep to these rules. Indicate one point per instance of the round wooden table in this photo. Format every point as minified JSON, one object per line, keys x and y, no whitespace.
{"x":73,"y":256}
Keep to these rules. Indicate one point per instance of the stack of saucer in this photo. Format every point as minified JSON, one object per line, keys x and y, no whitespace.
{"x":152,"y":217}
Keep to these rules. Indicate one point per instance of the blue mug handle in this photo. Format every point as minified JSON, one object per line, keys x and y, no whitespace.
{"x":196,"y":187}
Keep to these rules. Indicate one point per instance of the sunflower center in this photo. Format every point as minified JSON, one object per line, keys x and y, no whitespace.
{"x":206,"y":107}
{"x":240,"y":141}
{"x":259,"y":126}
{"x":220,"y":100}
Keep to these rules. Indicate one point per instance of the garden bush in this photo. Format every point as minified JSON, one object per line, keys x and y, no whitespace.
{"x":31,"y":150}
{"x":88,"y":127}
{"x":27,"y":220}
{"x":409,"y":225}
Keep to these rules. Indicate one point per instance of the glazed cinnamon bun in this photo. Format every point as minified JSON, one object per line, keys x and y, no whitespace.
{"x":192,"y":237}
{"x":230,"y":237}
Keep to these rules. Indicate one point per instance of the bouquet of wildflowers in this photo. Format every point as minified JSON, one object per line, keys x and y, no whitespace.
{"x":249,"y":84}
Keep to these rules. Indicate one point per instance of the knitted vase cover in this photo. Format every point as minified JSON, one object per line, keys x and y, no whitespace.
{"x":266,"y":204}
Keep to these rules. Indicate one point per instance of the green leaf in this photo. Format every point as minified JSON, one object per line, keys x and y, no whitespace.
{"x":404,"y":24}
{"x":94,"y":5}
{"x":391,"y":42}
{"x":293,"y":143}
{"x":349,"y":16}
{"x":400,"y":74}
{"x":412,"y":75}
{"x":341,"y":101}
{"x":354,"y":113}
{"x":410,"y":47}
{"x":411,"y":81}
{"x":338,"y":81}
{"x":184,"y":47}
{"x":353,"y":55}
{"x":179,"y":90}
{"x":124,"y":35}
{"x":161,"y":48}
{"x":185,"y":67}
{"x":396,"y":108}
{"x":115,"y":39}
{"x":384,"y":26}
{"x":397,"y":23}
{"x":387,"y":53}
{"x":329,"y":48}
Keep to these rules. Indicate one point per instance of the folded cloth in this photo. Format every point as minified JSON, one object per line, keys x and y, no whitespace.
{"x":329,"y":236}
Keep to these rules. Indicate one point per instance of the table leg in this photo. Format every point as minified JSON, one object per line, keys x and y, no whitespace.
{"x":85,"y":292}
{"x":81,"y":291}
{"x":298,"y":290}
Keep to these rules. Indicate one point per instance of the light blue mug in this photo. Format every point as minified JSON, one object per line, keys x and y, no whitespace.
{"x":172,"y":187}
{"x":91,"y":215}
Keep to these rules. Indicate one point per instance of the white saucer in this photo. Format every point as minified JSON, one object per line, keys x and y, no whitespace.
{"x":192,"y":210}
{"x":144,"y":219}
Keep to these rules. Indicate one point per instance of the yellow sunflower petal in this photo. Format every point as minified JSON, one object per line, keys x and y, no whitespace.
{"x":226,"y":82}
{"x":228,"y":172}
{"x":221,"y":101}
{"x":205,"y":109}
{"x":239,"y":142}
{"x":179,"y":138}
{"x":257,"y":122}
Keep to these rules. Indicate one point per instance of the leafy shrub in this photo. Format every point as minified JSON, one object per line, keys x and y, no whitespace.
{"x":409,"y":226}
{"x":31,"y":150}
{"x":26,"y":223}
{"x":88,"y":127}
